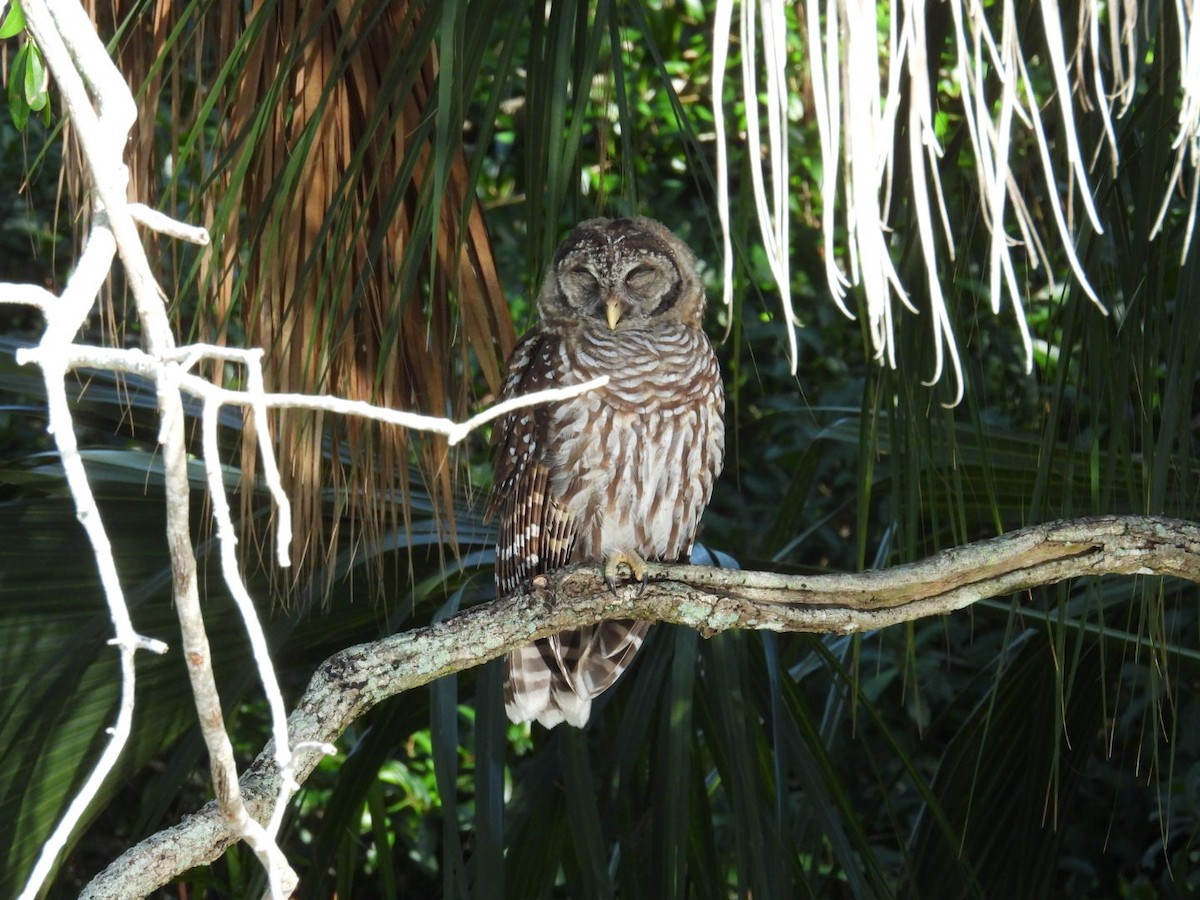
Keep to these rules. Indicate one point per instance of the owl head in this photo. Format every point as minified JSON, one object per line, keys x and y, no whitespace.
{"x":622,"y":274}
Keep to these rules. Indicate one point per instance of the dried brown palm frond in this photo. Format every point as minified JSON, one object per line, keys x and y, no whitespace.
{"x":346,"y":240}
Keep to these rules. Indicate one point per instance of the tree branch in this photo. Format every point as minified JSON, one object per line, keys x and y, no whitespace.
{"x":102,"y":111}
{"x":710,"y":600}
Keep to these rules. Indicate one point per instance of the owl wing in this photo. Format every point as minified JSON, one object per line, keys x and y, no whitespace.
{"x":555,"y":678}
{"x":536,"y":534}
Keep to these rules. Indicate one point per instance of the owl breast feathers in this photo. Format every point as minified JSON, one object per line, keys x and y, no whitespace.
{"x":620,"y":472}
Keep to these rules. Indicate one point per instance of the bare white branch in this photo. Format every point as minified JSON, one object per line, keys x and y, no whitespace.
{"x":139,"y":362}
{"x":64,"y":315}
{"x":262,"y":426}
{"x":127,"y":640}
{"x":227,"y":542}
{"x":79,"y":63}
{"x":457,"y":432}
{"x":164,"y":224}
{"x":103,"y":110}
{"x":26,"y":295}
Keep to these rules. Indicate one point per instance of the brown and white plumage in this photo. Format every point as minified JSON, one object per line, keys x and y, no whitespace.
{"x":624,"y":470}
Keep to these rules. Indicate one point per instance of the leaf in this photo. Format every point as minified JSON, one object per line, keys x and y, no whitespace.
{"x":673,"y":787}
{"x":37,"y":80}
{"x":18,"y":107}
{"x":14,"y":21}
{"x":586,"y":829}
{"x":491,"y":726}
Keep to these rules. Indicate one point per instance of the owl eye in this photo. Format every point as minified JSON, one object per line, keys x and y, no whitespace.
{"x":581,"y":277}
{"x":579,"y":285}
{"x":640,"y":278}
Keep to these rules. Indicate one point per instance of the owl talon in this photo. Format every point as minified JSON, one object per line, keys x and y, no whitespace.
{"x":637,"y":570}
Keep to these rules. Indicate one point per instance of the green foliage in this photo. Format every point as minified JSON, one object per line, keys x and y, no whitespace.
{"x":28,"y":79}
{"x":14,"y":21}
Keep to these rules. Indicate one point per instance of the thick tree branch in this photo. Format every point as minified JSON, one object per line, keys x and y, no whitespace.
{"x":710,"y":600}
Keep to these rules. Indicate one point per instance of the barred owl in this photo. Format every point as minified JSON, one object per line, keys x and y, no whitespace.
{"x":617,"y":475}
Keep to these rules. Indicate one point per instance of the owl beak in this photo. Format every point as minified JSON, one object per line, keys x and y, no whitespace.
{"x":613,"y":312}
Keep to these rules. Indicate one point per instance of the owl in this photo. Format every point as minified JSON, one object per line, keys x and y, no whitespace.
{"x":618,"y":475}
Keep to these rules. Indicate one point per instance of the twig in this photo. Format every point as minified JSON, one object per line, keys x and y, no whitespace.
{"x":64,"y":315}
{"x":74,"y":53}
{"x":138,"y":362}
{"x":164,"y":224}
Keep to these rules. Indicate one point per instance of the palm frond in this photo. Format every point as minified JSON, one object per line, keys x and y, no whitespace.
{"x":346,"y":238}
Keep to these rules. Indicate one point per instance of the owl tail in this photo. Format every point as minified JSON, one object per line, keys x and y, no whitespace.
{"x":554,"y":679}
